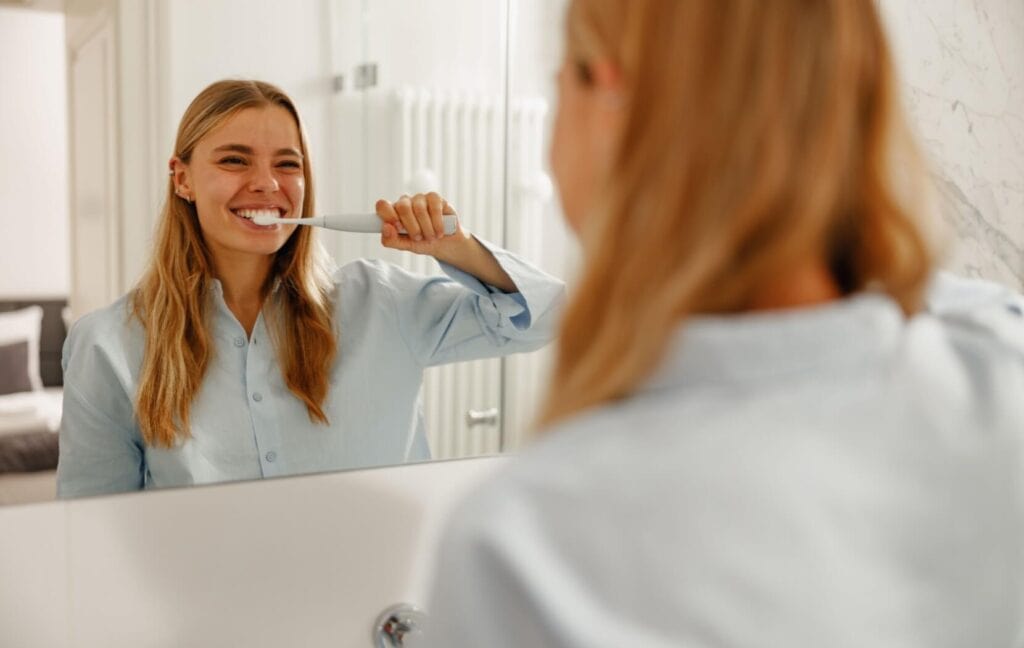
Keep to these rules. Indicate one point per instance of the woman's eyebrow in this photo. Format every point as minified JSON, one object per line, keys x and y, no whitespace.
{"x":247,"y":150}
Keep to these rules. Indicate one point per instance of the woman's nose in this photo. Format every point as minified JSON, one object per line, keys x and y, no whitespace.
{"x":263,"y":180}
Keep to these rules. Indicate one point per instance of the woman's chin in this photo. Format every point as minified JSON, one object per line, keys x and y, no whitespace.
{"x":252,"y":246}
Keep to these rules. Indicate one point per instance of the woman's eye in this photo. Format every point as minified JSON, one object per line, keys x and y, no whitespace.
{"x":290,"y":164}
{"x":232,"y":160}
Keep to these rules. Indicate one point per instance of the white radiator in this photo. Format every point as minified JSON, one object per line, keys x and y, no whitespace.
{"x":408,"y":140}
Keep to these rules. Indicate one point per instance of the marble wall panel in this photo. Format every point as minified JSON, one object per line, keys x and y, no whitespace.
{"x":962,"y":72}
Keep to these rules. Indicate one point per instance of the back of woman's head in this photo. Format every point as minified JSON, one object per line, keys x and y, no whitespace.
{"x":758,"y":135}
{"x":172,"y":298}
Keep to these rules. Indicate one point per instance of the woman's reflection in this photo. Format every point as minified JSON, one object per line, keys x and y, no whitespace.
{"x":239,"y":355}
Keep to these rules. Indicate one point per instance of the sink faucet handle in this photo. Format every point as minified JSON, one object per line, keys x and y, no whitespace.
{"x":396,"y":623}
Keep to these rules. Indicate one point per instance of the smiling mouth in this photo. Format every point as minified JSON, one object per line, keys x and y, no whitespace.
{"x":250,"y":214}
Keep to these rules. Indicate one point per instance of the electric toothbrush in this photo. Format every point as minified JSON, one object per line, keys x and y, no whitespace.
{"x":359,"y":223}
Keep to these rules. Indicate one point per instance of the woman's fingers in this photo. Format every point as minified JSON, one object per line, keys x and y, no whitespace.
{"x":404,"y":208}
{"x":386,"y":212}
{"x":435,"y":208}
{"x":421,"y":209}
{"x":421,"y":218}
{"x":389,"y":237}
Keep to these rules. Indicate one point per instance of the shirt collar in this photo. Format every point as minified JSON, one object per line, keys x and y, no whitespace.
{"x":218,"y":288}
{"x":765,"y":346}
{"x":226,"y":317}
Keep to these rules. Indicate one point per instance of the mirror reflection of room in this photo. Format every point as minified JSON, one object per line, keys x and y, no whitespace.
{"x":441,"y":118}
{"x":242,"y":355}
{"x":470,"y":115}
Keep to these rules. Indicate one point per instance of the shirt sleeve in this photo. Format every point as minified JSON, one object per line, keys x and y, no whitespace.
{"x":506,"y":577}
{"x":979,"y":304}
{"x":457,"y":317}
{"x":485,"y":589}
{"x":101,"y":450}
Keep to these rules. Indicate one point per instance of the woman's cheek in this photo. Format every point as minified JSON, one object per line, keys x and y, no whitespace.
{"x":298,"y":194}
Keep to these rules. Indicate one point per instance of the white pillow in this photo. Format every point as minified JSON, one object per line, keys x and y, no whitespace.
{"x":24,"y":325}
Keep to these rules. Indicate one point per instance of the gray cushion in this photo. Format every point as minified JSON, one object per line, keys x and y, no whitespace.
{"x":14,"y":376}
{"x":28,"y":452}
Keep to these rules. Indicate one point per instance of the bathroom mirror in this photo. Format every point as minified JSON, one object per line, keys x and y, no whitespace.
{"x":396,"y":97}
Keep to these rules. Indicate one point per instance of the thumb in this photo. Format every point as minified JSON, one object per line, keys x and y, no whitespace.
{"x":390,"y":238}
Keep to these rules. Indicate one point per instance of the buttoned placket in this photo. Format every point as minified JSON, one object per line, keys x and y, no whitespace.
{"x":257,"y":364}
{"x":260,"y":363}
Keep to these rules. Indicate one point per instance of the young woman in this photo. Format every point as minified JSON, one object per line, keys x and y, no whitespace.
{"x":756,"y":433}
{"x":239,"y":356}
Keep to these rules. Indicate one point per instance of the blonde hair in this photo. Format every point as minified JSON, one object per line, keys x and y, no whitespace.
{"x":758,"y":134}
{"x":172,"y":300}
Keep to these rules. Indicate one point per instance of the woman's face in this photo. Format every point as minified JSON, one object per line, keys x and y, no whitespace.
{"x":586,"y":121}
{"x":252,"y":162}
{"x":571,"y":160}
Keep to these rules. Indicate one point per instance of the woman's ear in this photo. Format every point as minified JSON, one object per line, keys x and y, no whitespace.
{"x":180,"y":177}
{"x":608,"y":83}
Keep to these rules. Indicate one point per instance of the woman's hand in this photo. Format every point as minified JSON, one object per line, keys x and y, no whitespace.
{"x":420,"y":215}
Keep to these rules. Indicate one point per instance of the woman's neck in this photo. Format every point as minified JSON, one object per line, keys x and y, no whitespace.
{"x":244,"y":279}
{"x":806,"y":284}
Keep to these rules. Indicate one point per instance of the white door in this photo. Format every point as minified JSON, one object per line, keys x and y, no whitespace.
{"x":94,"y":208}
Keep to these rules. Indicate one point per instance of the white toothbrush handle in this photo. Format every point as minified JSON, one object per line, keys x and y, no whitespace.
{"x":371,"y":223}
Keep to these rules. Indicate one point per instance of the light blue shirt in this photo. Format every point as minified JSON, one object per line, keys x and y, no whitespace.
{"x":833,"y":476}
{"x":246,"y":424}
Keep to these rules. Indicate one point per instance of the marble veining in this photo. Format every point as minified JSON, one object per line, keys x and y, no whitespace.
{"x":962,"y":71}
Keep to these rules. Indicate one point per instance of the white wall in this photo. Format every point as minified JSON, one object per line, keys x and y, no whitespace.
{"x":284,"y":43}
{"x":962,"y":66}
{"x":451,"y":44}
{"x":34,"y":248}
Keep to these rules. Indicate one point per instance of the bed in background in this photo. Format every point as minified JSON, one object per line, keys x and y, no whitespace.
{"x":32,"y":335}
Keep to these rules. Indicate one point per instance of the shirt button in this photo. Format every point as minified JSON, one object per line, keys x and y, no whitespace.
{"x":239,"y":341}
{"x":256,"y":396}
{"x":271,"y":456}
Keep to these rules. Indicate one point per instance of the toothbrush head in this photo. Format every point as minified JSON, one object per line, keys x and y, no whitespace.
{"x":262,"y":219}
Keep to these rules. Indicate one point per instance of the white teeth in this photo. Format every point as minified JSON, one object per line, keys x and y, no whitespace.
{"x":262,"y":213}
